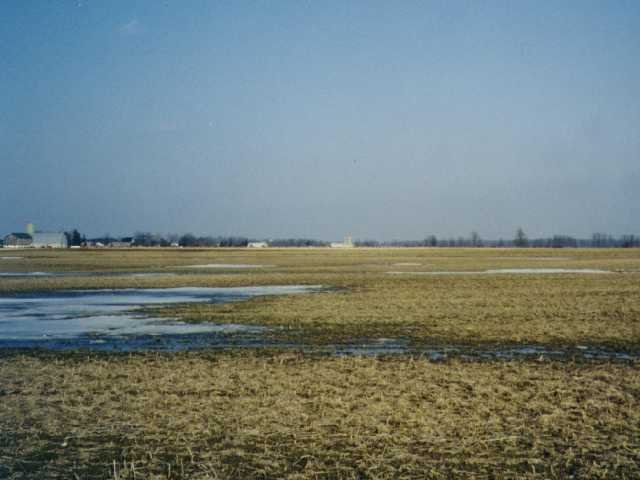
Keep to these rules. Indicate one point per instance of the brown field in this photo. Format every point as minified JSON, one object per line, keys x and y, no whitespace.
{"x":568,"y":309}
{"x":290,"y":416}
{"x":272,"y":414}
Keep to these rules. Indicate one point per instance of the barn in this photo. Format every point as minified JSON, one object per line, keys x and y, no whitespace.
{"x":49,"y":240}
{"x":17,"y":240}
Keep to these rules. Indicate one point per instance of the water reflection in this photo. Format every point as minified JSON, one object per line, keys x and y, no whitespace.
{"x":69,"y":314}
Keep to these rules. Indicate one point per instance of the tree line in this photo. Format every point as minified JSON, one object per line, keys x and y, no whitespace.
{"x":473,"y":240}
{"x":520,"y":240}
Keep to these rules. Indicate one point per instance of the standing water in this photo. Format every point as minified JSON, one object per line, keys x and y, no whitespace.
{"x":95,"y":316}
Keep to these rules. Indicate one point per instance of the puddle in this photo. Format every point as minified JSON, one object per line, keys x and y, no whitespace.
{"x":527,"y":271}
{"x":534,"y":258}
{"x":546,"y":270}
{"x":110,"y":320}
{"x":102,"y":313}
{"x":84,"y":274}
{"x":27,"y":274}
{"x":443,"y":352}
{"x":143,"y":275}
{"x":228,"y":265}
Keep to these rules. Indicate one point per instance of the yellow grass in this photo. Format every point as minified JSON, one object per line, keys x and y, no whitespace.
{"x":268,"y":414}
{"x":290,"y":416}
{"x":568,"y":309}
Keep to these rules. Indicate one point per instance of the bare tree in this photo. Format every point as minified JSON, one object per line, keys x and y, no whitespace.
{"x":476,"y":241}
{"x":521,"y":239}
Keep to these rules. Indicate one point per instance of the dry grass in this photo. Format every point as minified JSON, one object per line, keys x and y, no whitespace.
{"x":322,"y":260}
{"x":563,"y":309}
{"x":269,"y":415}
{"x":290,"y":416}
{"x":569,"y":310}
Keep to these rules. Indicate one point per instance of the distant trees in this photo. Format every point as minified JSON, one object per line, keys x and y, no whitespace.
{"x":600,"y":240}
{"x":232,"y":241}
{"x":146,"y":239}
{"x":475,"y":239}
{"x":366,"y":243}
{"x":521,"y":239}
{"x":190,"y":240}
{"x":629,"y":241}
{"x":563,"y":241}
{"x":74,"y":238}
{"x":187,"y":240}
{"x":297,"y":242}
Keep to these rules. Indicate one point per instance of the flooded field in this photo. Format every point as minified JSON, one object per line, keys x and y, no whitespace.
{"x":132,"y":364}
{"x":82,"y":318}
{"x":114,"y":320}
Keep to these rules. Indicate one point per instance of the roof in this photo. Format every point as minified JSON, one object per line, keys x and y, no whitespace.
{"x":25,"y":236}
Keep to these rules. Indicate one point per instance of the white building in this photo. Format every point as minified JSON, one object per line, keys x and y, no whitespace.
{"x":348,"y":243}
{"x":49,"y":240}
{"x":257,"y":245}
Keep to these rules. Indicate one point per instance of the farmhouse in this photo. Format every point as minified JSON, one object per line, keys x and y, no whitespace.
{"x":348,"y":243}
{"x":49,"y":240}
{"x":18,"y":240}
{"x":257,"y":245}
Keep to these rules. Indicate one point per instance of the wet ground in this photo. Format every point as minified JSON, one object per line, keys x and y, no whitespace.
{"x":228,"y":266}
{"x":516,"y":271}
{"x":111,"y":320}
{"x":84,"y":274}
{"x":86,"y":316}
{"x":391,"y":346}
{"x":130,"y":274}
{"x":242,"y":337}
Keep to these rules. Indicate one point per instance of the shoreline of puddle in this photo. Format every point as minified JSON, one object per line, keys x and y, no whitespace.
{"x":216,"y":342}
{"x":110,"y":320}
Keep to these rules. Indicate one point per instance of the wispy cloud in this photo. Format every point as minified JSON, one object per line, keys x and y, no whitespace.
{"x":132,"y":27}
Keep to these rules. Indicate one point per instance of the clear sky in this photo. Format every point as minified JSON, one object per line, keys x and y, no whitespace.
{"x":385,"y":119}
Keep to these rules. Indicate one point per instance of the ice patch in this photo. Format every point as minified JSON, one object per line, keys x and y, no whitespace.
{"x":546,"y":270}
{"x":550,"y":258}
{"x":228,"y":265}
{"x":85,"y":274}
{"x":72,"y":313}
{"x":528,"y":271}
{"x":27,"y":274}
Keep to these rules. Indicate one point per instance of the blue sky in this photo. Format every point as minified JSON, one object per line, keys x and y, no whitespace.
{"x":316,"y":119}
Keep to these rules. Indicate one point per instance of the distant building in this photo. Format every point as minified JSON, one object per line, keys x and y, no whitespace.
{"x":49,"y":240}
{"x":348,"y":243}
{"x":257,"y":245}
{"x":123,"y":243}
{"x":18,"y":240}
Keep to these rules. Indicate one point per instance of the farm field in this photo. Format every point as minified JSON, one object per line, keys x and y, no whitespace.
{"x":301,"y":413}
